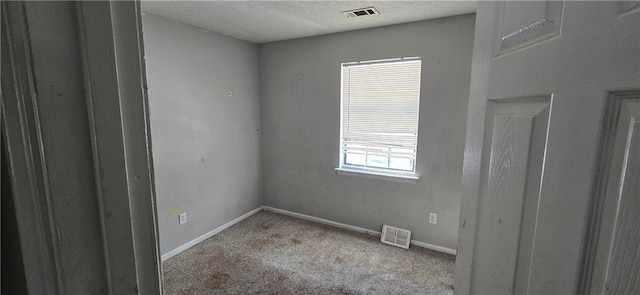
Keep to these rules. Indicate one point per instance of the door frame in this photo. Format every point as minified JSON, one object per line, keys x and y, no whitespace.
{"x":21,"y":136}
{"x":117,"y":103}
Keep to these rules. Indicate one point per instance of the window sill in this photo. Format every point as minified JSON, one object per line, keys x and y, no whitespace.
{"x":374,"y":175}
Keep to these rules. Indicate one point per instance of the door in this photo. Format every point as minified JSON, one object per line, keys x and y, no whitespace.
{"x":551,"y":199}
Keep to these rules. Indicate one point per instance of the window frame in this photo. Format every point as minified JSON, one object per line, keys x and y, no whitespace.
{"x":369,"y":171}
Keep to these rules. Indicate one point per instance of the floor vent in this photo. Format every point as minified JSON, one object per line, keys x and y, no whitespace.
{"x":361,"y":12}
{"x":395,"y":236}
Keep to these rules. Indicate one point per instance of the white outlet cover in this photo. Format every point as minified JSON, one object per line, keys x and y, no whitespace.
{"x":182,"y":217}
{"x":433,"y":218}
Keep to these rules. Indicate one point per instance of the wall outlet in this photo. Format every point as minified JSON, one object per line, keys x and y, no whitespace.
{"x":433,"y":218}
{"x":182,"y":217}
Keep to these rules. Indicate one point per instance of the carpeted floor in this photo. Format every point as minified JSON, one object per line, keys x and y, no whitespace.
{"x":270,"y":253}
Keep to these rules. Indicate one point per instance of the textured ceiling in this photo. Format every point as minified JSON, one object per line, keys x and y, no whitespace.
{"x":266,"y":21}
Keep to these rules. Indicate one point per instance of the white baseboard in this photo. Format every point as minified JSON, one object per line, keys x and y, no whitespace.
{"x":201,"y":238}
{"x":355,"y":228}
{"x":323,"y":221}
{"x":434,"y":247}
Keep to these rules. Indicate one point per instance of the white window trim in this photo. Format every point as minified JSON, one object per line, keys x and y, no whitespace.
{"x":404,"y":178}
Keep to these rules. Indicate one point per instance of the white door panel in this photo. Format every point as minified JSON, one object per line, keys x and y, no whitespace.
{"x":543,"y":75}
{"x":515,"y":149}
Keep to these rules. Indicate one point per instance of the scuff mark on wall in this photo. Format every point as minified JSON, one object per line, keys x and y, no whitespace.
{"x":174,"y":211}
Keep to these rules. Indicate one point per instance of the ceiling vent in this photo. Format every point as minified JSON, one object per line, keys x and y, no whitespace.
{"x":395,"y":236}
{"x":361,"y":12}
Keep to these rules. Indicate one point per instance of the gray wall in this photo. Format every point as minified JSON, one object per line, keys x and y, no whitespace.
{"x":300,"y":114}
{"x":206,"y":144}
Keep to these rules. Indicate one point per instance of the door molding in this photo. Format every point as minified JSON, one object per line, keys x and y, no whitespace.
{"x":27,"y":164}
{"x":607,"y":191}
{"x":117,"y":101}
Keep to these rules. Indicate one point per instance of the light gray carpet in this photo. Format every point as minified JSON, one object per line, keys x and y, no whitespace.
{"x":270,"y":253}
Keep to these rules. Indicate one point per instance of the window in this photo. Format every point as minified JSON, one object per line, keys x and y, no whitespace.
{"x":379,"y":116}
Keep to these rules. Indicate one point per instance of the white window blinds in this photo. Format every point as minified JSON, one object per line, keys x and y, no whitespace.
{"x":380,"y":108}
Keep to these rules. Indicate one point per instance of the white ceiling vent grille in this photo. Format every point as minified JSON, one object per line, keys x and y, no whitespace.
{"x":395,"y":236}
{"x":361,"y":12}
